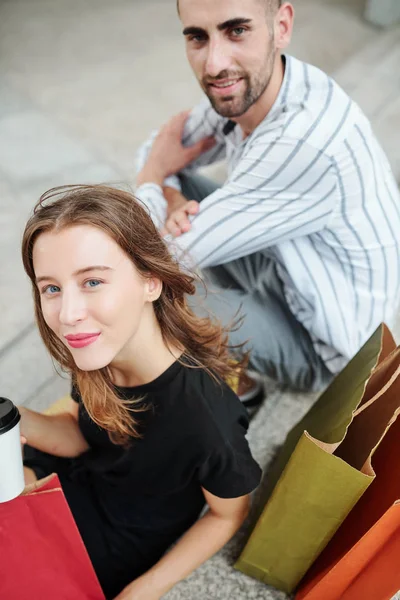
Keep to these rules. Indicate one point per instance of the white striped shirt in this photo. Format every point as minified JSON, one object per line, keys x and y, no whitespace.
{"x":311,"y":188}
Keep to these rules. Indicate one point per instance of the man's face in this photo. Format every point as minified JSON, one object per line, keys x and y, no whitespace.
{"x":230,"y":47}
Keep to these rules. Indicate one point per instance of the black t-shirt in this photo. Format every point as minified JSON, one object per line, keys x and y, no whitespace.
{"x":193,"y":435}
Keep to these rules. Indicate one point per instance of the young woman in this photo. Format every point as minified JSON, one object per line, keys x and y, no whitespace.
{"x":152,"y":432}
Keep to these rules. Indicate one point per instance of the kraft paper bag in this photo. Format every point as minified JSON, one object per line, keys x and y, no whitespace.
{"x":362,"y":559}
{"x":318,"y":478}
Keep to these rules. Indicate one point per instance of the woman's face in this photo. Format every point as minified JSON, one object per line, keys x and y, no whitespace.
{"x":92,"y":296}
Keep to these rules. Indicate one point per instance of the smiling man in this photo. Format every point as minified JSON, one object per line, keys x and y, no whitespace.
{"x":303,"y":236}
{"x":233,"y":91}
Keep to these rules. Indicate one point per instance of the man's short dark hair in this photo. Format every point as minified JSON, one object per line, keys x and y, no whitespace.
{"x":272,"y":5}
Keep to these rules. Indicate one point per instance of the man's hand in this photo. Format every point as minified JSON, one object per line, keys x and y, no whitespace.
{"x":168,"y":155}
{"x":178,"y":221}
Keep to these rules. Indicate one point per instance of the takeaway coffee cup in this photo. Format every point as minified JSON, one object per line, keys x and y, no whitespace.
{"x":11,"y":467}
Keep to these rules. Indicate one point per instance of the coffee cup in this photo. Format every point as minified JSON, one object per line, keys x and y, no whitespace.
{"x":12,"y":481}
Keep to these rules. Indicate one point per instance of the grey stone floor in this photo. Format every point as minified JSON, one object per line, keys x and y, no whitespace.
{"x":82,"y":82}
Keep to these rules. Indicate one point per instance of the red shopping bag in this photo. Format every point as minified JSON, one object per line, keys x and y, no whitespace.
{"x":42,"y":553}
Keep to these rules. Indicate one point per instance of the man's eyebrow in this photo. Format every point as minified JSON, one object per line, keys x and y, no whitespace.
{"x":194,"y":31}
{"x":230,"y":24}
{"x":78,"y":272}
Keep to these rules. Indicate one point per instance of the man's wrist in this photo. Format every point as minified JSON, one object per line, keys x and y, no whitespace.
{"x":174,"y":198}
{"x":150,"y":174}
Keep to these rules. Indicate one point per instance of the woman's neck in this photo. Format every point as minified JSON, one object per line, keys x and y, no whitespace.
{"x":145,"y":357}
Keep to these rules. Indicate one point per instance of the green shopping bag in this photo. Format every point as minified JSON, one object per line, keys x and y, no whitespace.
{"x":317,"y":478}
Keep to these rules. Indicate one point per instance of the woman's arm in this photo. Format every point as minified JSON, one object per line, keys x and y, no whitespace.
{"x":59,"y":435}
{"x":208,"y":535}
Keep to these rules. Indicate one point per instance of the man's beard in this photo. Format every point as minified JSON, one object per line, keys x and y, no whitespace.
{"x":235,"y":106}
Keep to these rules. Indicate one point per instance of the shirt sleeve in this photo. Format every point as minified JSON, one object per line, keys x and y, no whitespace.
{"x":281,"y":189}
{"x":230,"y":471}
{"x":202,"y":122}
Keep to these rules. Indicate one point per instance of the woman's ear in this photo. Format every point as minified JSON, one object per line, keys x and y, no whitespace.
{"x":154,"y":289}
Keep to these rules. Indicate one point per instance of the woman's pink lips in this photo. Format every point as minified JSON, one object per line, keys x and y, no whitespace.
{"x":82,"y":339}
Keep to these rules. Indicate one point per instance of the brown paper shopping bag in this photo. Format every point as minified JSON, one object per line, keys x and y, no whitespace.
{"x":362,"y":559}
{"x":324,"y":467}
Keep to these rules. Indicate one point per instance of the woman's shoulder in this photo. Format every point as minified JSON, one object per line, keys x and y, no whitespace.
{"x":227,"y":468}
{"x":194,"y":402}
{"x":213,"y":405}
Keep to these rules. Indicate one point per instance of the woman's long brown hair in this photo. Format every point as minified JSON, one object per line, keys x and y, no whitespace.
{"x":125,"y":220}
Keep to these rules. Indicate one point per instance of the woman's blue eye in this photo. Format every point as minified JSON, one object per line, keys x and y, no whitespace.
{"x":92,"y":283}
{"x":51,"y":289}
